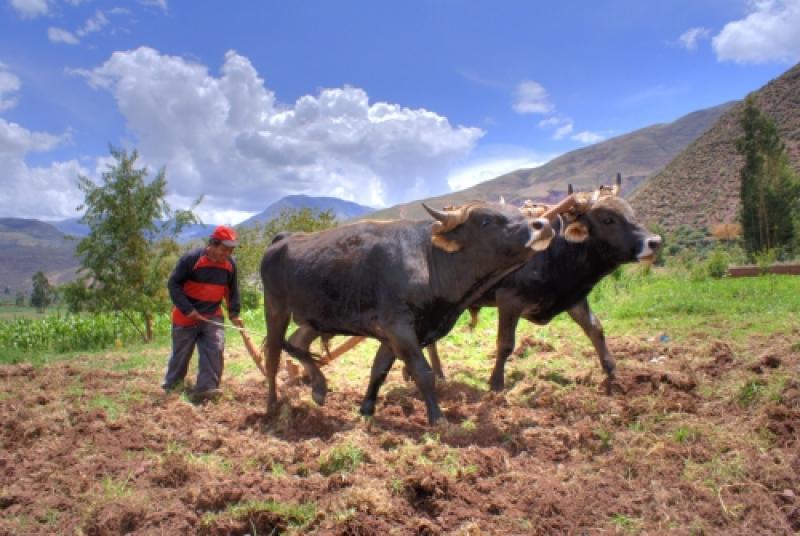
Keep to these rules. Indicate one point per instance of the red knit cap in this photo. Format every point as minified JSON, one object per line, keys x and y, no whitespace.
{"x":226,"y":235}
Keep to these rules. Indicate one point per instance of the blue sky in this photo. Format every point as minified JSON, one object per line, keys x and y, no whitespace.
{"x":374,"y":102}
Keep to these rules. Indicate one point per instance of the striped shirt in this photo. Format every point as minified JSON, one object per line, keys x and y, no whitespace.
{"x":199,"y":283}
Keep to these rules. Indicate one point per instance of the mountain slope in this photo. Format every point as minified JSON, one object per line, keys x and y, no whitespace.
{"x":30,"y":246}
{"x":638,"y":155}
{"x":701,"y":186}
{"x":343,"y":210}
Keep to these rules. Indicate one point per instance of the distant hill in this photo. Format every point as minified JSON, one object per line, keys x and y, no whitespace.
{"x":700,"y":187}
{"x":343,"y":210}
{"x":73,"y":227}
{"x":637,"y":155}
{"x":30,"y":246}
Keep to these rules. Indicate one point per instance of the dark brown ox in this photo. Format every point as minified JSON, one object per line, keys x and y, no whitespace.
{"x":592,"y":241}
{"x":404,"y":283}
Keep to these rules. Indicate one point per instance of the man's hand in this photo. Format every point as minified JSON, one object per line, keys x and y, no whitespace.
{"x":237,"y":322}
{"x":194,"y":315}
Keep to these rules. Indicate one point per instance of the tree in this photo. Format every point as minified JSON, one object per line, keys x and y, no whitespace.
{"x":769,"y":187}
{"x":131,"y":246}
{"x":42,"y":293}
{"x":254,"y":240}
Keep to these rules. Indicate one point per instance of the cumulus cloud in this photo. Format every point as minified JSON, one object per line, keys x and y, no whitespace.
{"x":59,"y":35}
{"x":690,"y":37}
{"x":36,"y":192}
{"x":531,"y":98}
{"x":768,"y":33}
{"x":228,"y":137}
{"x":9,"y":85}
{"x":30,"y":9}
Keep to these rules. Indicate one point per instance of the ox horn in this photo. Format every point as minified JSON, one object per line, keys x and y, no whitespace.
{"x":565,"y":205}
{"x":502,"y":200}
{"x":617,"y":188}
{"x":446,"y":220}
{"x":570,"y":191}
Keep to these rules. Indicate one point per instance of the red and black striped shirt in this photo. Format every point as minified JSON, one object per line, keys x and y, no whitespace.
{"x":199,"y":283}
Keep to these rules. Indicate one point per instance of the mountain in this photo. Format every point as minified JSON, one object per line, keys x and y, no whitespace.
{"x":638,"y":155}
{"x":30,"y":246}
{"x":701,"y":186}
{"x":343,"y":210}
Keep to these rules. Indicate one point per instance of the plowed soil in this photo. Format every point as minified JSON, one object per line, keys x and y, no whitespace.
{"x":697,"y":438}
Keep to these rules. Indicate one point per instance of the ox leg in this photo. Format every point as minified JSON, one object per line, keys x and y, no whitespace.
{"x":433,"y":355}
{"x":384,"y":359}
{"x":583,"y":316}
{"x":506,"y":329}
{"x":406,"y":346}
{"x":277,"y":323}
{"x":301,"y":339}
{"x":473,"y":317}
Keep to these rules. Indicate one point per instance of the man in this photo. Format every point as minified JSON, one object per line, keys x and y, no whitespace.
{"x":198,"y":284}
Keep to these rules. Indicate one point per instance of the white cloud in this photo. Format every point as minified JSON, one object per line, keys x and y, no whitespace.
{"x":93,"y":24}
{"x":690,"y":37}
{"x":9,"y":85}
{"x":161,"y":4}
{"x":36,"y":192}
{"x":770,"y":32}
{"x":30,"y":9}
{"x":229,"y":138}
{"x":531,"y":98}
{"x":58,"y":35}
{"x":588,"y":137}
{"x":562,"y":126}
{"x":484,"y":169}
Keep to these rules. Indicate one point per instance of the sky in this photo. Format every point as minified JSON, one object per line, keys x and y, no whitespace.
{"x":378,"y":103}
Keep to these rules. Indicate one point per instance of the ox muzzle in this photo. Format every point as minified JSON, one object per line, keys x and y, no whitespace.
{"x":648,"y":248}
{"x":541,"y":234}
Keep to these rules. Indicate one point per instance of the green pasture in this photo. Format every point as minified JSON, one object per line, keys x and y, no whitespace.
{"x":663,"y":304}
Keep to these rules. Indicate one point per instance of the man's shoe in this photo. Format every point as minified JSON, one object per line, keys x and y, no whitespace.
{"x":203,"y":396}
{"x":173,"y":388}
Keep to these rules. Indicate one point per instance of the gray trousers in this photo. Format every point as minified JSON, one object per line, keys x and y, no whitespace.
{"x":210,"y":341}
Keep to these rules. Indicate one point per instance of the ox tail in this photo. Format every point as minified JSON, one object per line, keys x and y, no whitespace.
{"x":300,"y":354}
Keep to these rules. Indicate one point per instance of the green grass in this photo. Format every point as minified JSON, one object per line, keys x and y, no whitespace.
{"x":297,"y":516}
{"x":342,"y":458}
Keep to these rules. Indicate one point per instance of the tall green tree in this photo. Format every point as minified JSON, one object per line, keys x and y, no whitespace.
{"x":131,"y":245}
{"x":42,"y":293}
{"x":254,"y":240}
{"x":769,"y":187}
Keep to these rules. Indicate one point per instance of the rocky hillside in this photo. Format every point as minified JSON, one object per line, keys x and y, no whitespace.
{"x":701,"y":186}
{"x":637,"y":155}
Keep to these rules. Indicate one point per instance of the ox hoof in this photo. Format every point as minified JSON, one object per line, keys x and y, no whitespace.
{"x":367,"y":408}
{"x":497,"y":386}
{"x":318,"y":395}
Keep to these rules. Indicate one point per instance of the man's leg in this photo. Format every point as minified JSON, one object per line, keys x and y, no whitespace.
{"x":210,"y":345}
{"x":183,"y":340}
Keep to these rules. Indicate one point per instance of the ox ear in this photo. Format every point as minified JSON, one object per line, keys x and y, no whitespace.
{"x":576,"y":232}
{"x":450,"y":246}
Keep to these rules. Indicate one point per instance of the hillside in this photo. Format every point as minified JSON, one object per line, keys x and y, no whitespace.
{"x":701,"y":186}
{"x":638,"y":155}
{"x":30,"y":246}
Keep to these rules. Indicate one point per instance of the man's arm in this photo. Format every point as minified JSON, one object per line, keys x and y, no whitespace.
{"x":180,"y":274}
{"x":234,"y":301}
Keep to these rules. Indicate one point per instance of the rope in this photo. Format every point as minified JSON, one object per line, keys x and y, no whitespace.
{"x":231,"y":326}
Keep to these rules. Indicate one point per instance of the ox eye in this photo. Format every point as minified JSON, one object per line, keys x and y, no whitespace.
{"x":608,"y":221}
{"x":485,"y":221}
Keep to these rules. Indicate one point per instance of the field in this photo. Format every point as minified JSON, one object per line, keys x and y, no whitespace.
{"x":701,"y":434}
